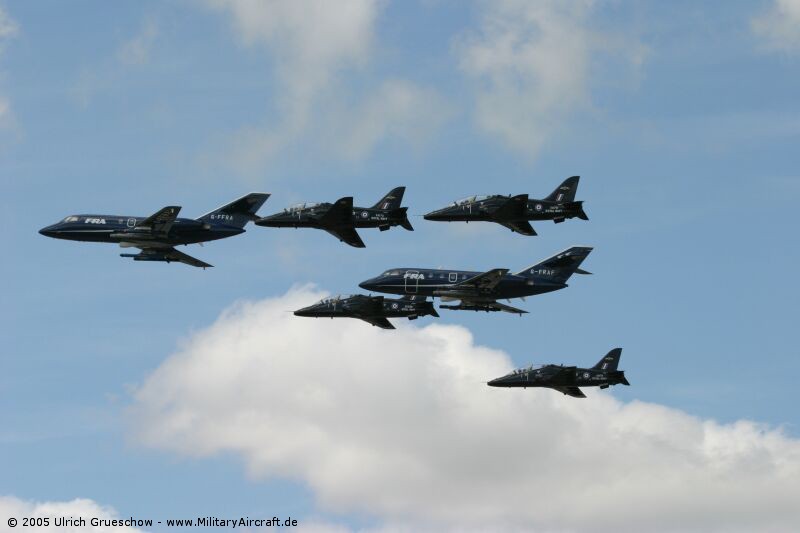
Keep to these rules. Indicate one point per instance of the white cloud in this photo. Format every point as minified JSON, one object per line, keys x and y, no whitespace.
{"x":400,"y":425}
{"x":397,"y":109}
{"x":318,"y":48}
{"x":12,"y":507}
{"x":779,"y":26}
{"x":8,"y":29}
{"x":531,"y":64}
{"x":136,"y":51}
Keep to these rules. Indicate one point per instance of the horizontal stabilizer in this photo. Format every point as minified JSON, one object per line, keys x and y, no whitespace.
{"x":239,"y":212}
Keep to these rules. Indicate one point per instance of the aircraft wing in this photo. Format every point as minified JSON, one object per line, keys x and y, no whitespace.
{"x":575,"y":392}
{"x":514,"y":207}
{"x":162,"y":220}
{"x":468,"y":304}
{"x":348,"y":235}
{"x":168,"y":254}
{"x":379,"y":321}
{"x":338,"y":213}
{"x":523,"y":227}
{"x":485,"y":281}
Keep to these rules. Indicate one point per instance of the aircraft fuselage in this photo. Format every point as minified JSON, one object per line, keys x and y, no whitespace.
{"x":429,"y":282}
{"x":554,"y":376}
{"x":123,"y":229}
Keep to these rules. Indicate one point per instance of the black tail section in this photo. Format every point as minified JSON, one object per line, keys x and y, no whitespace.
{"x":392,"y":200}
{"x":402,"y":214}
{"x":610,"y":361}
{"x":565,"y":192}
{"x":577,"y":208}
{"x":239,"y":212}
{"x":559,"y":268}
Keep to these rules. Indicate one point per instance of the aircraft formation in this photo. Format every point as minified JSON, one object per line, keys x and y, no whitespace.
{"x":157,"y":235}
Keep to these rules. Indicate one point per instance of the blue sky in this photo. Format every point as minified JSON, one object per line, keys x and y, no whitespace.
{"x":681,"y":118}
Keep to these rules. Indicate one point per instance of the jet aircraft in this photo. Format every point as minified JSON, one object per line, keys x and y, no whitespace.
{"x":157,"y":235}
{"x":372,"y":309}
{"x":341,"y":219}
{"x":567,"y":379}
{"x":514,"y":212}
{"x":479,"y":291}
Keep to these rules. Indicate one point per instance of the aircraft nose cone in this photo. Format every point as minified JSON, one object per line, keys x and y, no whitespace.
{"x":494,"y":382}
{"x":433,"y":215}
{"x":48,"y":231}
{"x":270,"y":220}
{"x":367,"y":285}
{"x":306,"y":311}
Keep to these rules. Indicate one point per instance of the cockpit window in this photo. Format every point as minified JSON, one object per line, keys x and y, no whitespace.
{"x":473,"y":199}
{"x":71,"y":218}
{"x":299,"y":207}
{"x":524,"y":370}
{"x":392,"y":273}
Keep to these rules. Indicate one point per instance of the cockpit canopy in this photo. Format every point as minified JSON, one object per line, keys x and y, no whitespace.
{"x":71,"y":218}
{"x":524,"y":370}
{"x":299,"y":207}
{"x":392,"y":273}
{"x":334,"y":299}
{"x":473,"y":199}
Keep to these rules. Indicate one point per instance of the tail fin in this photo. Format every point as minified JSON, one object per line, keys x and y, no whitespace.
{"x":239,"y":212}
{"x":610,"y":361}
{"x":402,"y":214}
{"x":566,"y":191}
{"x":560,"y":267}
{"x":392,"y":200}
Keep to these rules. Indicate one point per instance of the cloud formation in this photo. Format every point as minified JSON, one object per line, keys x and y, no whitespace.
{"x":136,"y":51}
{"x":317,"y":48}
{"x":12,"y":507}
{"x":779,"y":26}
{"x":401,"y":426}
{"x":8,"y":29}
{"x":531,"y":63}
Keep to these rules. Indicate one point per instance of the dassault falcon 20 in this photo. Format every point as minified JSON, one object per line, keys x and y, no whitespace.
{"x":341,"y":219}
{"x":567,"y":379}
{"x":479,"y":291}
{"x":514,"y":212}
{"x":157,"y":235}
{"x":372,"y":309}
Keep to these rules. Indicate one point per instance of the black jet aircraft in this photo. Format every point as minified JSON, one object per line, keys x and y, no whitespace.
{"x":372,"y":309}
{"x":341,"y":219}
{"x":567,"y":379}
{"x":514,"y":212}
{"x":157,"y":235}
{"x":479,"y":291}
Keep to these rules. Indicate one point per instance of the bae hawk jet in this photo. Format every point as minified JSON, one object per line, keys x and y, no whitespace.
{"x":341,"y":219}
{"x":479,"y":291}
{"x":514,"y":212}
{"x":372,"y":309}
{"x":567,"y":379}
{"x":157,"y":235}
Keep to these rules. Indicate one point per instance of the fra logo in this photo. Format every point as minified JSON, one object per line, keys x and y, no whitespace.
{"x":95,"y":221}
{"x":413,"y":275}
